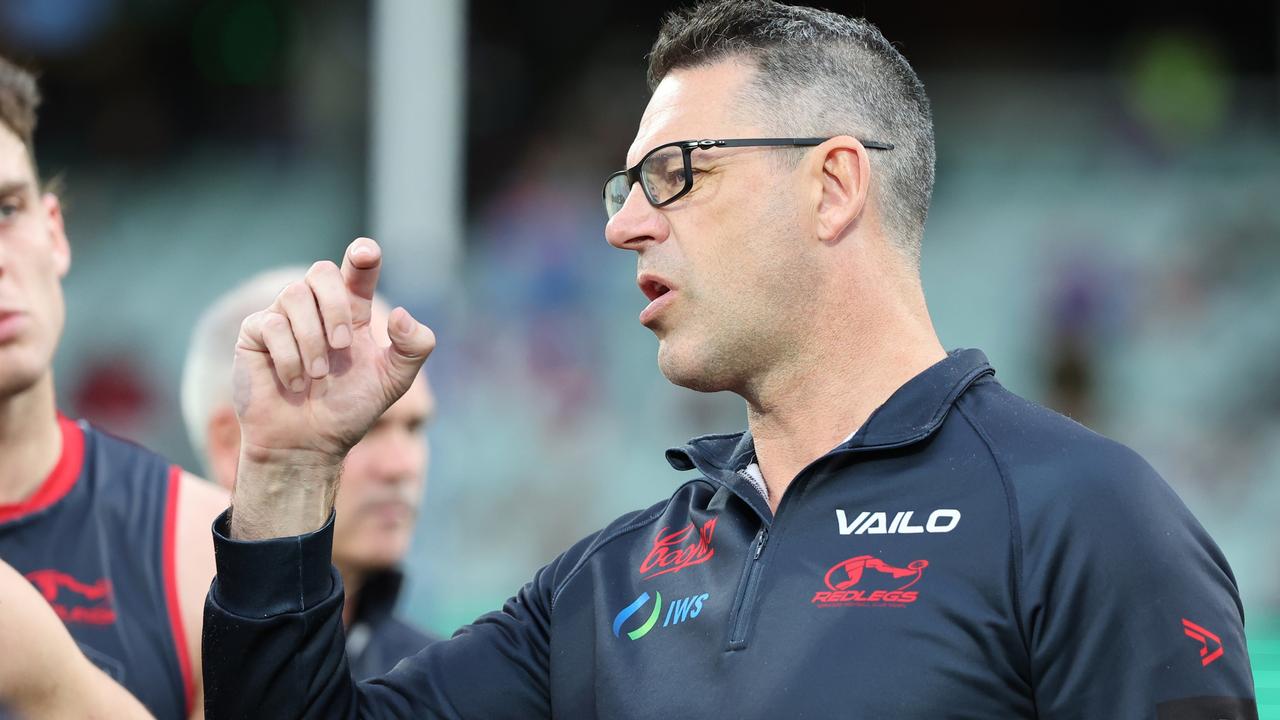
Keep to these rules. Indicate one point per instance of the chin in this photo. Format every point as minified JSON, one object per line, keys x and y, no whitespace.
{"x":376,"y":559}
{"x":19,"y":372}
{"x":692,"y":370}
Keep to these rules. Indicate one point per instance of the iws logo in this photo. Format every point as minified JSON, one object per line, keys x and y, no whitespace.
{"x":943,"y":520}
{"x":849,"y":584}
{"x":677,"y":612}
{"x":89,"y":604}
{"x":675,"y":550}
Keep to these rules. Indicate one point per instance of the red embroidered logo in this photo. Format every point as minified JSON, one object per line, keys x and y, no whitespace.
{"x":1206,"y":640}
{"x":676,"y":550}
{"x":848,"y":583}
{"x":88,"y":604}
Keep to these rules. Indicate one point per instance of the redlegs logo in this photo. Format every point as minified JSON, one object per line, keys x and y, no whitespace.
{"x":83,"y":603}
{"x":676,"y":550}
{"x":849,"y":584}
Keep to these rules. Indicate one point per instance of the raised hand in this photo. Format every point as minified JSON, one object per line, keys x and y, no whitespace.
{"x":309,"y":379}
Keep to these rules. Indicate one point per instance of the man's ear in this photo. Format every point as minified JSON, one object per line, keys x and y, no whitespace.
{"x":844,"y":180}
{"x":222,"y":446}
{"x":57,"y":233}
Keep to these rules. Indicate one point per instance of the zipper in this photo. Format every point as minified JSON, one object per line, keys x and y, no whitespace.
{"x":746,"y":600}
{"x":744,"y":604}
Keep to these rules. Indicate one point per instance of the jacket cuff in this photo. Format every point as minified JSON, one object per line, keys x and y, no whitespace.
{"x":264,"y":578}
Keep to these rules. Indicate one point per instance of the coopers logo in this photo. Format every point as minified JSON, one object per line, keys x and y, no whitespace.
{"x":850,"y":584}
{"x":943,"y":520}
{"x":681,"y":610}
{"x":675,"y":550}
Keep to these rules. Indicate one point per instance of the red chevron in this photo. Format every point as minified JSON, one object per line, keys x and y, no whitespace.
{"x":1199,"y":634}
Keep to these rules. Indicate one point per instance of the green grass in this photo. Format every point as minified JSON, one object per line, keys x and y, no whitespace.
{"x":1264,"y":653}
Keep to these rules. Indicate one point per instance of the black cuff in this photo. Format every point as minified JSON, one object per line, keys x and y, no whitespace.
{"x":264,"y":578}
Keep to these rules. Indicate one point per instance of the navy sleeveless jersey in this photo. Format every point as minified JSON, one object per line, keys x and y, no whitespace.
{"x":96,"y":538}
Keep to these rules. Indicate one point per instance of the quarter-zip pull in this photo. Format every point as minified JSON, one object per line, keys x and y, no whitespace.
{"x":740,"y":617}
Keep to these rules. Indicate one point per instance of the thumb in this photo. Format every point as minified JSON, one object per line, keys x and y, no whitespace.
{"x":411,"y":343}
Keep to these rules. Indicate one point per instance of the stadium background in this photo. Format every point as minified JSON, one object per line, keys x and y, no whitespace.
{"x":1106,"y":226}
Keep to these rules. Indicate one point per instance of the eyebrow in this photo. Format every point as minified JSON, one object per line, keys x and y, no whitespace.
{"x":14,"y":187}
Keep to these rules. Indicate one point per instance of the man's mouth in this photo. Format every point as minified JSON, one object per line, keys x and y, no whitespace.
{"x":660,"y":293}
{"x":11,"y":323}
{"x":653,"y":289}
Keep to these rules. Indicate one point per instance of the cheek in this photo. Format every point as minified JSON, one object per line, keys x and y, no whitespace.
{"x":350,"y":490}
{"x":38,"y":271}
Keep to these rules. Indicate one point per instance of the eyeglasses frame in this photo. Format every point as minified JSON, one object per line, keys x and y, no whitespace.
{"x":688,"y":146}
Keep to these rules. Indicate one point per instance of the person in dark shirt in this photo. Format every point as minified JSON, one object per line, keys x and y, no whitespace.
{"x":896,"y":535}
{"x":114,"y":536}
{"x":383,"y":478}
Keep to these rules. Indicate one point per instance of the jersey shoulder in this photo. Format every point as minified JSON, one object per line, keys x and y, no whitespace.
{"x":1051,"y":463}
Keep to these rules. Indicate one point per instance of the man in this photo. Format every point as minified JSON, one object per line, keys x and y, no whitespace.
{"x":896,"y":536}
{"x":113,"y":536}
{"x":382,"y":479}
{"x":47,"y":676}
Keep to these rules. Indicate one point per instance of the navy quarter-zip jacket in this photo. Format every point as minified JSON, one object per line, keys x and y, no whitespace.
{"x":965,"y":554}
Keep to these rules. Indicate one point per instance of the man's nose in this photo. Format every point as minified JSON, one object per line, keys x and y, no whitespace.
{"x":636,"y":223}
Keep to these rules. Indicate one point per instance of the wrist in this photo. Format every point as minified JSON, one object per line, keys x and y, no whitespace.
{"x":260,"y":456}
{"x":290,"y":494}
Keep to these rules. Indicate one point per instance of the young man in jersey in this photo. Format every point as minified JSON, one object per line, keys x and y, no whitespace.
{"x":42,"y":672}
{"x":896,"y":535}
{"x":113,"y":536}
{"x":383,"y":477}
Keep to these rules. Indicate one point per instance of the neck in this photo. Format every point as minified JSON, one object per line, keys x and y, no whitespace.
{"x":30,"y":441}
{"x":802,"y":410}
{"x":353,"y":580}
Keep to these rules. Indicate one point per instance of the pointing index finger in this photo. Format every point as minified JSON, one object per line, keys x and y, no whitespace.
{"x":360,"y":267}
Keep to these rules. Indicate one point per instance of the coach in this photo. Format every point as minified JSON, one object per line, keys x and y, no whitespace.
{"x":895,"y":536}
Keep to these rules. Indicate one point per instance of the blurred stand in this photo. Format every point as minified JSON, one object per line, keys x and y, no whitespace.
{"x":1105,"y":226}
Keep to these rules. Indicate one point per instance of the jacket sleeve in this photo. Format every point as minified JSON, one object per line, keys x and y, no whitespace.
{"x":1129,"y":608}
{"x":274,"y":645}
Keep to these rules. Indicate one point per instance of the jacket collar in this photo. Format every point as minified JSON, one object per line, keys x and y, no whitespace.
{"x":377,"y":599}
{"x":914,"y":412}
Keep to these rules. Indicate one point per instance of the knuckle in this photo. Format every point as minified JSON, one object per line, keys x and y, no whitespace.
{"x":320,"y":268}
{"x":251,"y":321}
{"x":296,"y":291}
{"x":272,"y":321}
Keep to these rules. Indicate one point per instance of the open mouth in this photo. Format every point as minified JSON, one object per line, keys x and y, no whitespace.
{"x":11,"y":324}
{"x":653,"y":289}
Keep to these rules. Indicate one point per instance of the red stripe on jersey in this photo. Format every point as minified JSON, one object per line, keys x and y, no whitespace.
{"x":171,"y":583}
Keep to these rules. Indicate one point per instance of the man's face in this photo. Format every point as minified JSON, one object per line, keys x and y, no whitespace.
{"x":382,"y":485}
{"x":729,"y":261}
{"x":34,"y":257}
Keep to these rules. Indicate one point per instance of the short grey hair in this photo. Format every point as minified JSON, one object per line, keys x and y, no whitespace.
{"x":206,"y":373}
{"x":820,"y":74}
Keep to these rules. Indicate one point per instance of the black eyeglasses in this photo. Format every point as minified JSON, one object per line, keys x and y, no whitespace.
{"x":665,"y":173}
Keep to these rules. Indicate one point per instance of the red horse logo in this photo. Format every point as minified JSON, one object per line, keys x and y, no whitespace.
{"x":78,"y":609}
{"x":848,"y":573}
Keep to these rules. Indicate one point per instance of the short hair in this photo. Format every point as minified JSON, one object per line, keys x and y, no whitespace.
{"x":19,"y":100}
{"x":206,"y":372}
{"x":820,"y":74}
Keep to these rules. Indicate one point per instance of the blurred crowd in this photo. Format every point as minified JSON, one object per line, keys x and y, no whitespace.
{"x":1110,"y":236}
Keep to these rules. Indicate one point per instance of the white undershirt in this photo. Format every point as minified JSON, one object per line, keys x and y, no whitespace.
{"x":756,"y":478}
